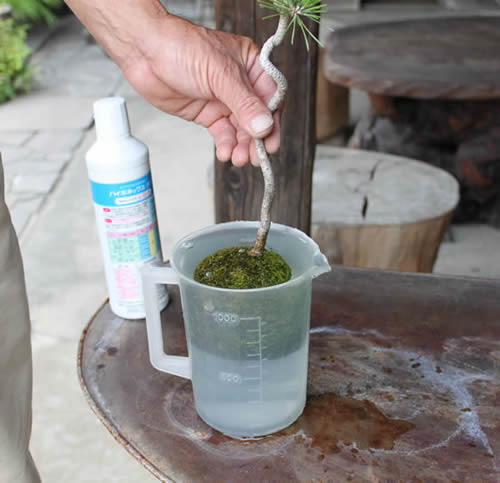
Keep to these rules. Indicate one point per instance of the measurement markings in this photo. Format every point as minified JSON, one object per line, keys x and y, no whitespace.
{"x":260,"y":359}
{"x":255,"y":358}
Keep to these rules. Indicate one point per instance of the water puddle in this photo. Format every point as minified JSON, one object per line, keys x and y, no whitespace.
{"x":330,"y":422}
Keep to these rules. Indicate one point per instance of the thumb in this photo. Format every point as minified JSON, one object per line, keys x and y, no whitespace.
{"x":252,"y":114}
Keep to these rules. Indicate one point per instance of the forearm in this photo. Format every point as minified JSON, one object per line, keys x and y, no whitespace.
{"x":121,"y":26}
{"x":206,"y":76}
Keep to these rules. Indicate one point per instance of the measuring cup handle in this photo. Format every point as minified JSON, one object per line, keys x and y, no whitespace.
{"x":176,"y":365}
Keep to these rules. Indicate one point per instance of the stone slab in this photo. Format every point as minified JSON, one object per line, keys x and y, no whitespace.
{"x":15,"y":154}
{"x":87,"y":73}
{"x":68,"y":442}
{"x":14,"y":138}
{"x":472,"y":5}
{"x":34,"y":167}
{"x":38,"y":183}
{"x":474,"y":251}
{"x":40,"y":111}
{"x":64,"y":235}
{"x":23,"y":210}
{"x":50,"y":141}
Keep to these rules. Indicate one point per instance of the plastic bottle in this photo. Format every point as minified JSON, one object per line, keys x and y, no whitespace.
{"x":120,"y":179}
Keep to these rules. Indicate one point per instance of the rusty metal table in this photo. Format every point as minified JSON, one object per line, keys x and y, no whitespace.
{"x":404,"y":383}
{"x":434,"y":86}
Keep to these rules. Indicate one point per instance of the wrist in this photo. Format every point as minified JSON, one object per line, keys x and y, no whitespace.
{"x":170,"y":33}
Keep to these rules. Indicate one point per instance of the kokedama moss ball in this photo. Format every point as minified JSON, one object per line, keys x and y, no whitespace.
{"x":234,"y":268}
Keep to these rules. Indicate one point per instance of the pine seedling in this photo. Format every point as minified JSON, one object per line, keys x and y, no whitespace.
{"x":292,"y":15}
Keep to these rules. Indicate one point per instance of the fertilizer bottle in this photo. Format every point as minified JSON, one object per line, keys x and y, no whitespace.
{"x":120,"y":179}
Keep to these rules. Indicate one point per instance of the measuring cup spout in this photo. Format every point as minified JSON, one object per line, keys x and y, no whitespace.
{"x":320,"y":265}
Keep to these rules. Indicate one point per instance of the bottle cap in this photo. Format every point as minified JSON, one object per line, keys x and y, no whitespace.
{"x":111,"y":118}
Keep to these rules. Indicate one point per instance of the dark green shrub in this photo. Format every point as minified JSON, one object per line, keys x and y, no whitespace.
{"x":35,"y":10}
{"x":15,"y":74}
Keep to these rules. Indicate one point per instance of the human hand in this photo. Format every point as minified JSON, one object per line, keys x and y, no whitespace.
{"x":214,"y":79}
{"x":206,"y":76}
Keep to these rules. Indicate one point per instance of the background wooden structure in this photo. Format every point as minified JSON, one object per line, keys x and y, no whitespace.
{"x":238,"y":191}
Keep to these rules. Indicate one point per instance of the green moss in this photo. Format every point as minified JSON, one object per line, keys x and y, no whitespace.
{"x":234,"y":268}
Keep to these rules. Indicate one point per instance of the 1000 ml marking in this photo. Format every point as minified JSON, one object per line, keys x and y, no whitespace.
{"x":226,"y":319}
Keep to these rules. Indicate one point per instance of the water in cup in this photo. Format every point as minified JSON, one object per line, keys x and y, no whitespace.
{"x":249,"y":395}
{"x":248,"y":349}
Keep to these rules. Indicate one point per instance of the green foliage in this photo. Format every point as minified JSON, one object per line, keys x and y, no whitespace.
{"x":15,"y":74}
{"x":234,"y":268}
{"x":297,"y":10}
{"x":35,"y":10}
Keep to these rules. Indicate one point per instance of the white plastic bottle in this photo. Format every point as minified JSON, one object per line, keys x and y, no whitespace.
{"x":120,"y":179}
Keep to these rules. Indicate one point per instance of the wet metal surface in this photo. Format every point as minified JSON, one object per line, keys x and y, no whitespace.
{"x":404,"y":383}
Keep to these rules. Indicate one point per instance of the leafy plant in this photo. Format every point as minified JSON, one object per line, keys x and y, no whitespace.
{"x":15,"y":75}
{"x":35,"y":10}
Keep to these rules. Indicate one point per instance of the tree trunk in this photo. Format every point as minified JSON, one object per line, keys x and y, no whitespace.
{"x":238,"y":191}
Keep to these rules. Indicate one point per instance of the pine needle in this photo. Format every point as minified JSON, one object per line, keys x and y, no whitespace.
{"x":298,"y":11}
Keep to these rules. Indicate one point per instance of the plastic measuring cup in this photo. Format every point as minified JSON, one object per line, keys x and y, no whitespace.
{"x":248,"y":349}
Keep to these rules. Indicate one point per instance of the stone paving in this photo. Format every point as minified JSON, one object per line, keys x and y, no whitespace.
{"x":40,"y":132}
{"x":43,"y":140}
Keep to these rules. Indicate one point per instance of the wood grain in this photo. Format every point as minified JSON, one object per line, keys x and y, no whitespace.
{"x":446,"y":58}
{"x":374,"y":210}
{"x":238,"y":191}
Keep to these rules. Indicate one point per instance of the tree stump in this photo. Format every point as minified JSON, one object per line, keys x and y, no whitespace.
{"x":434,"y":86}
{"x":375,"y":210}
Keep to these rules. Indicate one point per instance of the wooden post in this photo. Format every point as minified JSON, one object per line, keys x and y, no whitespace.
{"x":238,"y":191}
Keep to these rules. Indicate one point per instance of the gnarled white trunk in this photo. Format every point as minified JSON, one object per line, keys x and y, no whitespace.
{"x":265,"y":164}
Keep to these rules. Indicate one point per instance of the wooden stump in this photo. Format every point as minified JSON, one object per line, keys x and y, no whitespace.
{"x":375,"y":210}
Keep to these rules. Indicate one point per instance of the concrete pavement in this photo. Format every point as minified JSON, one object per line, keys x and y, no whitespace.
{"x":43,"y":138}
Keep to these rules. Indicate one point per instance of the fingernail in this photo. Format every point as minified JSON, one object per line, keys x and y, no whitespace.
{"x":261,"y":124}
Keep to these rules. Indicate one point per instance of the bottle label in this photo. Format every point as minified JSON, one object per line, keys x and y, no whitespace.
{"x":127,"y":222}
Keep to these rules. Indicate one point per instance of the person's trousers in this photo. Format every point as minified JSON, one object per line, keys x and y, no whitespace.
{"x":16,"y":464}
